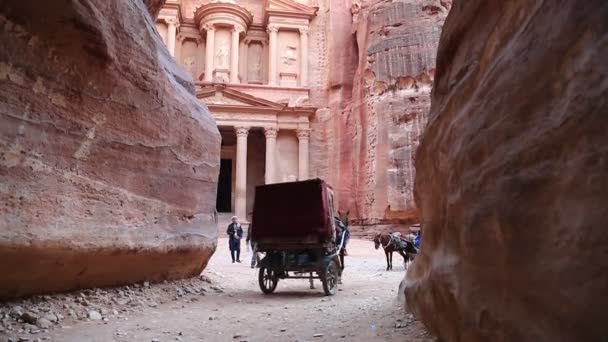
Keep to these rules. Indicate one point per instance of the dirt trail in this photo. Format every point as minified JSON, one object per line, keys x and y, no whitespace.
{"x":234,"y":309}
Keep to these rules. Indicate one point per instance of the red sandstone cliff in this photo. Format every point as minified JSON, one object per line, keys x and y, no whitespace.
{"x":370,"y":130}
{"x":108,"y":163}
{"x":512,"y":175}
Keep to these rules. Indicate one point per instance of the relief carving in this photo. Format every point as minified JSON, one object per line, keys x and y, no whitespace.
{"x":256,"y":71}
{"x":221,"y":58}
{"x":303,"y":133}
{"x":190,"y":65}
{"x":241,"y":131}
{"x":289,"y":57}
{"x":221,"y":100}
{"x":255,"y":68}
{"x":272,"y":29}
{"x":271,"y":132}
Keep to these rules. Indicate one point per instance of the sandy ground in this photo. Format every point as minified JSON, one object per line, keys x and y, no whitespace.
{"x":365,"y":309}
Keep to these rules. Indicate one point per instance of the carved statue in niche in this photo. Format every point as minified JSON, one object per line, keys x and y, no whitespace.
{"x":289,"y":57}
{"x":256,"y":71}
{"x":256,"y":68}
{"x":221,"y":59}
{"x":190,"y":66}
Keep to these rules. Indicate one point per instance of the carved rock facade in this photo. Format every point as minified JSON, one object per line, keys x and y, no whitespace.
{"x":511,"y":176}
{"x":108,"y":162}
{"x":364,"y":68}
{"x":250,"y":62}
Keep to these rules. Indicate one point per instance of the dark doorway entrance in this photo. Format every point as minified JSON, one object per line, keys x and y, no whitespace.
{"x":224,"y":187}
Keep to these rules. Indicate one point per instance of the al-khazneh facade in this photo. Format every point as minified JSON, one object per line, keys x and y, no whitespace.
{"x":250,"y":63}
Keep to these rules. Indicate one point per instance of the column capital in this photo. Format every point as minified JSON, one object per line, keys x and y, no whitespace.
{"x":237,"y":29}
{"x":272,"y":28}
{"x":208,"y":27}
{"x":172,"y":21}
{"x":241,"y":131}
{"x":303,"y":31}
{"x":270,"y":132}
{"x":249,"y":40}
{"x":303,"y":133}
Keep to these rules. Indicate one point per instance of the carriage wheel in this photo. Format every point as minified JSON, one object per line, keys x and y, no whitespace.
{"x":330,"y":278}
{"x":268,"y":280}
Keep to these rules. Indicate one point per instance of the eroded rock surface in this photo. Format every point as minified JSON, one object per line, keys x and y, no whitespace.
{"x":397,"y":44}
{"x":381,"y":67}
{"x":511,"y":175}
{"x":108,"y":163}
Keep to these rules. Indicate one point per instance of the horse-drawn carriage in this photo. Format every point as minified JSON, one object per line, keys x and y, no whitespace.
{"x":294,"y":224}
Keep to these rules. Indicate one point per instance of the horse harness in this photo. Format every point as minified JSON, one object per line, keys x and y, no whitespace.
{"x":390,"y":240}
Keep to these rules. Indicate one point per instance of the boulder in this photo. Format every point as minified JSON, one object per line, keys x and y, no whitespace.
{"x":512,"y":175}
{"x":108,"y":162}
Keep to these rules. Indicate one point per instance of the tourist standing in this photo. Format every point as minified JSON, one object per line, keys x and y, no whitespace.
{"x":235,"y":233}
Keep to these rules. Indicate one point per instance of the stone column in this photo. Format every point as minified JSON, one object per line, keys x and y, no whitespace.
{"x":234,"y":56}
{"x":171,"y":33}
{"x":272,"y":63}
{"x":271,"y":146}
{"x":244,"y":52}
{"x":200,"y":57}
{"x":303,"y":57}
{"x":210,"y":47}
{"x":303,"y":136}
{"x":240,"y":201}
{"x":179,"y":41}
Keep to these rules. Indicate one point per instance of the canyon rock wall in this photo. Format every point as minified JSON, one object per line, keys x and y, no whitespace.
{"x":368,"y":133}
{"x":391,"y":98}
{"x":331,"y":91}
{"x":511,"y":175}
{"x":108,"y":163}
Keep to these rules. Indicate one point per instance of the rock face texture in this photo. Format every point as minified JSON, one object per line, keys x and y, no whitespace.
{"x":511,"y":175}
{"x":378,"y":114}
{"x":108,"y":163}
{"x":397,"y":43}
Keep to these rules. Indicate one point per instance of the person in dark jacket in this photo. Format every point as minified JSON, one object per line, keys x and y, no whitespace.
{"x":235,"y":234}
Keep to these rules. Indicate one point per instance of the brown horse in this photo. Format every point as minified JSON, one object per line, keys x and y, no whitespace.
{"x":388,"y":244}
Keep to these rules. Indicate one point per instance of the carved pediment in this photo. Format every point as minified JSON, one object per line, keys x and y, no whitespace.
{"x":289,"y":8}
{"x":223,"y":96}
{"x":222,"y":100}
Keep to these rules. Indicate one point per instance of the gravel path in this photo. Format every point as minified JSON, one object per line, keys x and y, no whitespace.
{"x":226,"y":304}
